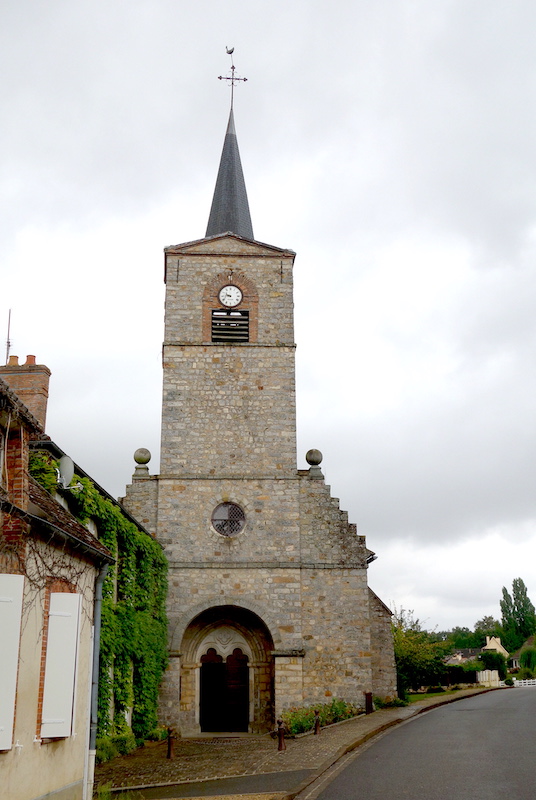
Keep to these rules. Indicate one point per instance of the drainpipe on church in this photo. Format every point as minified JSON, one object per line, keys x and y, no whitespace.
{"x":93,"y":706}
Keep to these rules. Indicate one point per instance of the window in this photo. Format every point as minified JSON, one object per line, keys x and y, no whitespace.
{"x":230,"y":326}
{"x":228,"y":519}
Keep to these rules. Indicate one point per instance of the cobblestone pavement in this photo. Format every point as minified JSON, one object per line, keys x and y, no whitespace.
{"x":219,"y":757}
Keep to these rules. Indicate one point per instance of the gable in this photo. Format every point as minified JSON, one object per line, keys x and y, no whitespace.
{"x":227,"y":243}
{"x":380,"y":605}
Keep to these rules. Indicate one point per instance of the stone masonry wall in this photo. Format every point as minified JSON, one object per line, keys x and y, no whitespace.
{"x":320,"y":607}
{"x":190,"y":268}
{"x":298,"y":568}
{"x":336,"y":635}
{"x":270,"y":535}
{"x":325,"y":534}
{"x":383,"y":656}
{"x":140,"y":500}
{"x":335,"y":605}
{"x":273,"y":593}
{"x":228,"y":409}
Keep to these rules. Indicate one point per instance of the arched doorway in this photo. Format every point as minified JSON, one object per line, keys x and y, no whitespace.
{"x":226,"y":673}
{"x":224,"y":692}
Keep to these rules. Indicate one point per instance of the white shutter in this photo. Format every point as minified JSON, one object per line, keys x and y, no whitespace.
{"x":11,"y":588}
{"x":60,"y":664}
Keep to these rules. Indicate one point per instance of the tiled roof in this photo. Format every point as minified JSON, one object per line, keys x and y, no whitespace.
{"x":61,"y":519}
{"x":530,"y":642}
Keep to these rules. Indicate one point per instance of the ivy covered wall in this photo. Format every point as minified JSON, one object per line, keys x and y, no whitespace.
{"x":133,"y":648}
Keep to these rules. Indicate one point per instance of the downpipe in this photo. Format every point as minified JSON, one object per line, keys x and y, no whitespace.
{"x":94,"y":698}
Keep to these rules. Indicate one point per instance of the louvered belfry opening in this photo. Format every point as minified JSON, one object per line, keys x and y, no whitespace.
{"x":230,"y":326}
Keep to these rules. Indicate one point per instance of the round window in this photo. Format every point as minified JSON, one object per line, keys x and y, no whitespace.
{"x":228,"y":519}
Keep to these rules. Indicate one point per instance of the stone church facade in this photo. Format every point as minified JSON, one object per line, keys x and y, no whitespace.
{"x":269,"y":605}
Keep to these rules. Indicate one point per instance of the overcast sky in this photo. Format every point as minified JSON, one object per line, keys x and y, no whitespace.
{"x":392,"y":145}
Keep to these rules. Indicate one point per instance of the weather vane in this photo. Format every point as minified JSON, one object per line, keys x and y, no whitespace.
{"x":232,"y":78}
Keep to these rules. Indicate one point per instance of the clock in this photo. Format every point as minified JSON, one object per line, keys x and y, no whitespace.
{"x":230,"y":296}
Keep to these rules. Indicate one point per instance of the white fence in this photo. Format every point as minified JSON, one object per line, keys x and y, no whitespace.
{"x":531,"y":682}
{"x":488,"y":677}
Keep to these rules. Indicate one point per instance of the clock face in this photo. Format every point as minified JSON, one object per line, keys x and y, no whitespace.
{"x":230,"y":296}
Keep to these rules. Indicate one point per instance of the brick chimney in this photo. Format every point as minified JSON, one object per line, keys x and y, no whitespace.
{"x":29,"y":382}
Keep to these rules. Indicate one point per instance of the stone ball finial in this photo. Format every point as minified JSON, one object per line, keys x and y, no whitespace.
{"x":313,"y":457}
{"x":142,"y":455}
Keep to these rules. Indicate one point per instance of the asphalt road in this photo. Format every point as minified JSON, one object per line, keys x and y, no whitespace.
{"x":481,"y":748}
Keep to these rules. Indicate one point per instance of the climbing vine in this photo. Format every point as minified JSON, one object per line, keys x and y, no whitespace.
{"x":133,"y":646}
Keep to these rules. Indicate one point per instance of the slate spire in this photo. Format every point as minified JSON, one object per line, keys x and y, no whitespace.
{"x":230,"y":207}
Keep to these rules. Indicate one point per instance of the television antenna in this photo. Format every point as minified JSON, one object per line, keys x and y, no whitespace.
{"x":8,"y":342}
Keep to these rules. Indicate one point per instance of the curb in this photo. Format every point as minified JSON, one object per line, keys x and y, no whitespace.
{"x":342,"y":751}
{"x":371,"y":734}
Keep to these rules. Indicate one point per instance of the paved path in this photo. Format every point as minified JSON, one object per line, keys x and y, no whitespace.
{"x":249,"y":766}
{"x":481,"y":749}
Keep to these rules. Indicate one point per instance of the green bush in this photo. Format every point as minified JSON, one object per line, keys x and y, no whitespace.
{"x":157,"y":734}
{"x":389,"y":702}
{"x":43,"y":468}
{"x":104,"y":792}
{"x":105,"y":750}
{"x":301,"y":720}
{"x":525,"y":674}
{"x":493,"y":660}
{"x":527,"y":658}
{"x":434,"y":689}
{"x":124,"y":742}
{"x":509,"y":681}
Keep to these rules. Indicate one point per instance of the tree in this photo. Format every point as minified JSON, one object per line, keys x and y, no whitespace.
{"x":492,"y":660}
{"x":488,"y":626}
{"x":419,"y":659}
{"x":527,"y":659}
{"x":462,"y":638}
{"x":524,"y":611}
{"x":518,"y":615}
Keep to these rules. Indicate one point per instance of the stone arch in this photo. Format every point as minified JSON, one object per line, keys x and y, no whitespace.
{"x":181,"y":623}
{"x":250,"y":300}
{"x":227,"y":670}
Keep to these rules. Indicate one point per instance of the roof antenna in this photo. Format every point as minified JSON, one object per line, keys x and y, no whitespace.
{"x":8,"y":342}
{"x":232,"y":78}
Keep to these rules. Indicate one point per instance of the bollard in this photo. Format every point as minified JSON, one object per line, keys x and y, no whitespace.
{"x":317,"y":722}
{"x":171,"y":736}
{"x":369,"y":708}
{"x":281,"y":744}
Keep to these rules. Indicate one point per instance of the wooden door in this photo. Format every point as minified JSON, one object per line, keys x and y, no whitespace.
{"x":224,"y":701}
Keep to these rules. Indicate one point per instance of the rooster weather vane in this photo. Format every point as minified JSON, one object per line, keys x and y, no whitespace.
{"x":232,"y":78}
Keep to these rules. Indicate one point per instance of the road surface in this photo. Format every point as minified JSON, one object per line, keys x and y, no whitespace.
{"x":481,"y":748}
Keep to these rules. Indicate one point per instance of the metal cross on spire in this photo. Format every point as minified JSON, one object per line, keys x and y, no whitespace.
{"x":232,"y":78}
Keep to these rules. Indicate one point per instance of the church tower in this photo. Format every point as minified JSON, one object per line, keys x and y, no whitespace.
{"x":268,"y":603}
{"x":229,"y":345}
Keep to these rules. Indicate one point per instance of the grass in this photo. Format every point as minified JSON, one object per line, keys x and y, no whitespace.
{"x":414,"y":698}
{"x":105,"y":793}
